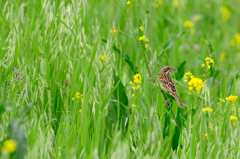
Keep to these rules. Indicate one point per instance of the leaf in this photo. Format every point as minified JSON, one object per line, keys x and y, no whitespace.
{"x":209,"y":45}
{"x":180,"y":71}
{"x":210,"y":82}
{"x":17,"y":133}
{"x":5,"y":107}
{"x":217,"y":72}
{"x":120,"y":101}
{"x":124,"y":56}
{"x":93,"y":55}
{"x":26,"y":109}
{"x":168,"y":44}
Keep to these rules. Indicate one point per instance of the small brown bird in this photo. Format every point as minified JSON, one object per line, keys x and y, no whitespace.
{"x":165,"y":82}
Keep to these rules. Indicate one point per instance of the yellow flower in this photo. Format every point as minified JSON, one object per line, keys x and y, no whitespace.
{"x":187,"y":76}
{"x":225,"y":13}
{"x":234,"y":123}
{"x":210,"y":127}
{"x":141,"y":28}
{"x":196,"y":18}
{"x":207,"y":109}
{"x":222,"y":100}
{"x":222,"y":57}
{"x":146,"y":45}
{"x":205,"y":136}
{"x":233,"y":109}
{"x":134,"y":105}
{"x":137,"y":78}
{"x":132,"y":95}
{"x":232,"y":42}
{"x":131,"y":82}
{"x":9,"y":146}
{"x":208,"y":67}
{"x":80,"y":110}
{"x":203,"y":65}
{"x":128,"y":2}
{"x":208,"y":59}
{"x":188,"y":24}
{"x":113,"y":31}
{"x":233,"y":118}
{"x":102,"y":57}
{"x":82,"y":100}
{"x":231,"y":99}
{"x":138,"y":86}
{"x":197,"y":83}
{"x":78,"y":95}
{"x":237,"y":38}
{"x":142,"y":37}
{"x":73,"y":98}
{"x":134,"y":88}
{"x":175,"y":3}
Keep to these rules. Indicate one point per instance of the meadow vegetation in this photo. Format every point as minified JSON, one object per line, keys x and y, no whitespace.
{"x":78,"y":79}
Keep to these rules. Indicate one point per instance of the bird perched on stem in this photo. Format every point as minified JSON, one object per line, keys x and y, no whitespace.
{"x":166,"y":83}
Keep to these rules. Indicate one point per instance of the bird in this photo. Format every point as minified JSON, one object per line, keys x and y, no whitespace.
{"x":166,"y":83}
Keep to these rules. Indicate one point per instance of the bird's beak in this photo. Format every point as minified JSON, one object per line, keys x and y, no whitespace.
{"x":172,"y":69}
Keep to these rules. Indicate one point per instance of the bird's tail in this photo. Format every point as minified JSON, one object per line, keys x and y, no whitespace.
{"x":178,"y":101}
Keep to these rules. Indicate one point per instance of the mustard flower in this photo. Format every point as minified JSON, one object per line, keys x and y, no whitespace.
{"x":142,"y":37}
{"x":113,"y":31}
{"x":102,"y":57}
{"x":221,"y":100}
{"x":132,"y":95}
{"x":188,"y":76}
{"x":9,"y":146}
{"x":211,"y":127}
{"x":232,"y":109}
{"x":131,"y":82}
{"x":232,"y":42}
{"x":134,"y":88}
{"x":73,"y":98}
{"x":82,"y":100}
{"x":138,"y":86}
{"x":196,"y":83}
{"x":207,"y":109}
{"x":225,"y":13}
{"x":237,"y":38}
{"x":141,"y":28}
{"x":203,"y":65}
{"x":78,"y":95}
{"x":231,"y":98}
{"x":208,"y":59}
{"x":175,"y":3}
{"x":137,"y":78}
{"x":205,"y":136}
{"x":196,"y":18}
{"x":234,"y":123}
{"x":128,"y":2}
{"x":188,"y":24}
{"x":146,"y":45}
{"x":134,"y":105}
{"x":233,"y":118}
{"x":80,"y":110}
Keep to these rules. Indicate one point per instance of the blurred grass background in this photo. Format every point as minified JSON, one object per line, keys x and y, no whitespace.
{"x":53,"y":42}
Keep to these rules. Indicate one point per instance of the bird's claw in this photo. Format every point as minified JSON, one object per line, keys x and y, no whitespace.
{"x":167,"y":101}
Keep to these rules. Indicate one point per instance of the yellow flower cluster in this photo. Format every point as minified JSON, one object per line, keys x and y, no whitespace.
{"x":205,"y":136}
{"x":209,"y":61}
{"x":233,"y":118}
{"x":225,"y":13}
{"x":9,"y":146}
{"x":138,"y":80}
{"x":102,"y":57}
{"x":128,"y":2}
{"x":113,"y":31}
{"x":235,"y":38}
{"x":141,"y":28}
{"x":196,"y":18}
{"x":143,"y":38}
{"x":207,"y":109}
{"x":231,"y":98}
{"x":134,"y":105}
{"x":188,"y":24}
{"x":79,"y":96}
{"x":194,"y":82}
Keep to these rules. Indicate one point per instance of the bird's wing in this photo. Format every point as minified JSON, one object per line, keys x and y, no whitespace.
{"x":167,"y":84}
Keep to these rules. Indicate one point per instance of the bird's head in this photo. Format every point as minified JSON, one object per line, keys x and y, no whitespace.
{"x":166,"y":70}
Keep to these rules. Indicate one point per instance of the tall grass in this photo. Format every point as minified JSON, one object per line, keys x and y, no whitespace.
{"x":53,"y":42}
